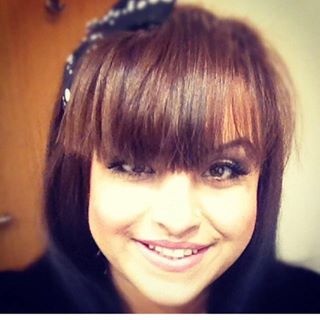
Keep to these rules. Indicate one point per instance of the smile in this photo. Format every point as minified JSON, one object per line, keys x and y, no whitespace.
{"x":172,"y":257}
{"x":173,"y":253}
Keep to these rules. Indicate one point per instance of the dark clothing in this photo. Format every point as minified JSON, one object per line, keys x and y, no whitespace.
{"x":286,"y":289}
{"x":54,"y":286}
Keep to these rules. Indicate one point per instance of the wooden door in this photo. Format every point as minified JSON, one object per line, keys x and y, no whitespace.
{"x":33,"y":49}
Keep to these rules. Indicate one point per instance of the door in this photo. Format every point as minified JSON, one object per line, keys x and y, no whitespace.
{"x":33,"y":49}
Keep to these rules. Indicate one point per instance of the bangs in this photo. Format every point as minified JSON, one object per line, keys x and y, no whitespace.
{"x":174,"y":118}
{"x":171,"y":95}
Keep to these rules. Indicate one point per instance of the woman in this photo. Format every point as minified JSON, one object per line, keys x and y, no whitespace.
{"x":164,"y":171}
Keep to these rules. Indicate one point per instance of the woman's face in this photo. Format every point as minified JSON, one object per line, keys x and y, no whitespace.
{"x":168,"y":235}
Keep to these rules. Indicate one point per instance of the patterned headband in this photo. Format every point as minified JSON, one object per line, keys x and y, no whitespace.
{"x":125,"y":15}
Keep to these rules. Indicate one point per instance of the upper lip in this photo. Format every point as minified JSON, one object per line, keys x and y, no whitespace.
{"x":174,"y":245}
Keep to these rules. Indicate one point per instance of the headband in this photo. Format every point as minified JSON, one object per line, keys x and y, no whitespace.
{"x":125,"y":15}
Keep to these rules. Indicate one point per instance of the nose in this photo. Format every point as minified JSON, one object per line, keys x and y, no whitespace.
{"x":174,"y":207}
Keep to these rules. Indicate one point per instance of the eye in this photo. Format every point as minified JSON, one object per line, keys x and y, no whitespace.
{"x":136,"y":170}
{"x":225,"y":170}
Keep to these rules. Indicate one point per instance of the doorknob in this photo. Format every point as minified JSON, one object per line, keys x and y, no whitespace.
{"x":54,"y":6}
{"x":5,"y":219}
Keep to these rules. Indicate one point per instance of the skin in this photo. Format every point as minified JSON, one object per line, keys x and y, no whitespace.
{"x":203,"y":206}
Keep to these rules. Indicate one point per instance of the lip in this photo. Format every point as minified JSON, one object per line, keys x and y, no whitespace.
{"x":172,"y":265}
{"x":173,"y":245}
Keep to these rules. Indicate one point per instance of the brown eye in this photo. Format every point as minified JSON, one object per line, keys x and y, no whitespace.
{"x":225,"y":170}
{"x":122,"y":168}
{"x":137,"y":169}
{"x":142,"y":169}
{"x":221,"y":172}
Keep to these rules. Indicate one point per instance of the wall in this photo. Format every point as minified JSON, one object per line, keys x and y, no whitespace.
{"x":293,"y":28}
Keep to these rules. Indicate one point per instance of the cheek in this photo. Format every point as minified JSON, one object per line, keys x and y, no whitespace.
{"x":118,"y":204}
{"x":232,"y":211}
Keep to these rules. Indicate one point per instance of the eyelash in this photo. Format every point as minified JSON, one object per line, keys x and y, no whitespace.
{"x":236,"y":170}
{"x":141,"y":171}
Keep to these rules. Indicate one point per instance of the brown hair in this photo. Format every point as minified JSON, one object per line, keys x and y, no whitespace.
{"x":170,"y":94}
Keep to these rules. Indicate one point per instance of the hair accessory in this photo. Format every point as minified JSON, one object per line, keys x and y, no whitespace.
{"x":125,"y":15}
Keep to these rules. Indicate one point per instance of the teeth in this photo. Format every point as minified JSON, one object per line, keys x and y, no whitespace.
{"x":158,"y":249}
{"x":167,"y":252}
{"x":173,"y":253}
{"x":187,"y":252}
{"x":178,"y":253}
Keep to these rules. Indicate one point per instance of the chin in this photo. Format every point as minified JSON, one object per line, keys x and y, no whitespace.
{"x":172,"y":300}
{"x":168,"y":293}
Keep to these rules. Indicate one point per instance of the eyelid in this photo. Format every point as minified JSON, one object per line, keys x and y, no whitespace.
{"x":241,"y":145}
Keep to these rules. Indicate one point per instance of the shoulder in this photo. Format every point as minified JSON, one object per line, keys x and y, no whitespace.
{"x":51,"y":285}
{"x":287,"y":289}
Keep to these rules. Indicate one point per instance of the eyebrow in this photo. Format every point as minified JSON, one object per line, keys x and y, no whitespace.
{"x":249,"y":149}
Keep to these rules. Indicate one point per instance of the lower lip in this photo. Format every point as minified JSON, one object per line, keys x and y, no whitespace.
{"x":171,"y":265}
